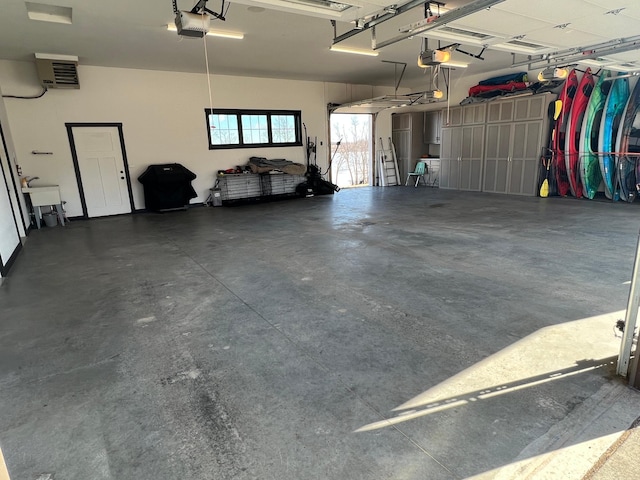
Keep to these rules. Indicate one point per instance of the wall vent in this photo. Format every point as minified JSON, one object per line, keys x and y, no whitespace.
{"x":57,"y":71}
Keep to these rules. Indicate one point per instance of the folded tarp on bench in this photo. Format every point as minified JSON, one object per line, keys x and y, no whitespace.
{"x":262,"y":165}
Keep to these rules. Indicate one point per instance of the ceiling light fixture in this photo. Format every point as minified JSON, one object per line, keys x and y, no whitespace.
{"x":48,"y":13}
{"x":356,"y":51}
{"x":451,"y":64}
{"x":213,"y":33}
{"x":552,"y":73}
{"x":56,"y":57}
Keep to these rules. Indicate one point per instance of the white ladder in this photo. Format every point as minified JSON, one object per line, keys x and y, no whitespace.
{"x":388,"y":165}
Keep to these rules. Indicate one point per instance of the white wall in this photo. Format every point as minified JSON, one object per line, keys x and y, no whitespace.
{"x":163,"y":119}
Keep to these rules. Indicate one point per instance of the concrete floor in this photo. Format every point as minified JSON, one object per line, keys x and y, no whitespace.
{"x":399,"y":333}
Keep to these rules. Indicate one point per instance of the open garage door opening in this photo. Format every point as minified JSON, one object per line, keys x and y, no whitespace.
{"x":351,"y":164}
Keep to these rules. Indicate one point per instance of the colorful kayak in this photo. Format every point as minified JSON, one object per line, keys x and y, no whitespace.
{"x":613,"y":110}
{"x":590,"y":174}
{"x":572,"y":137}
{"x":628,"y":145}
{"x":558,"y":135}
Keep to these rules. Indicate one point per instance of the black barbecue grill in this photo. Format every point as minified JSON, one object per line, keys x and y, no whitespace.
{"x":167,"y":187}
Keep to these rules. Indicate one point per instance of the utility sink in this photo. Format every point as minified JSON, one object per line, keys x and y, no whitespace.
{"x":43,"y":195}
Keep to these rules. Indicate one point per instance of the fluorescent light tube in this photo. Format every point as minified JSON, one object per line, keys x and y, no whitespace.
{"x":454,"y":64}
{"x":225,"y":34}
{"x":54,"y":56}
{"x":48,"y":13}
{"x":213,"y":33}
{"x":356,"y":51}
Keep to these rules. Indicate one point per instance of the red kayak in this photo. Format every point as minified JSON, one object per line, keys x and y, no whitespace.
{"x":572,"y":145}
{"x":558,"y":135}
{"x":505,"y":87}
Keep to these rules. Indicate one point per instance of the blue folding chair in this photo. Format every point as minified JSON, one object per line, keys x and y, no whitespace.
{"x":419,"y":173}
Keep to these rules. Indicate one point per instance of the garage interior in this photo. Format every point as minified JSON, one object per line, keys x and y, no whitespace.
{"x":375,"y":332}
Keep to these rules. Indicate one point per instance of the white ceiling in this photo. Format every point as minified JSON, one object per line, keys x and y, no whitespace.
{"x":280,"y":43}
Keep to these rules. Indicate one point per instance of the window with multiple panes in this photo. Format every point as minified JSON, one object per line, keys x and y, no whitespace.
{"x":253,"y":128}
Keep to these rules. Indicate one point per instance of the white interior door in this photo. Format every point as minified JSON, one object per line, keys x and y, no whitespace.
{"x":102,"y":170}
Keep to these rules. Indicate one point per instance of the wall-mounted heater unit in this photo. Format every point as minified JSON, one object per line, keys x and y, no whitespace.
{"x":57,"y":71}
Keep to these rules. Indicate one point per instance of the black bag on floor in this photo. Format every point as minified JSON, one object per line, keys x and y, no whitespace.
{"x":316,"y":183}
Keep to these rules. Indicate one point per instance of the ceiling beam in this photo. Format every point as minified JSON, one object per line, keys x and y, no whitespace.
{"x":438,"y":21}
{"x":378,"y":20}
{"x":575,"y":55}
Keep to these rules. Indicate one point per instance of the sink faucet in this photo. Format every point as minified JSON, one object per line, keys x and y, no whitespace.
{"x":28,"y":180}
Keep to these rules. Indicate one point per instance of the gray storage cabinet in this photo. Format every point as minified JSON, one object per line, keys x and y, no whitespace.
{"x":462,"y":148}
{"x":516,"y":133}
{"x":494,"y":146}
{"x":407,"y":134}
{"x":432,"y":127}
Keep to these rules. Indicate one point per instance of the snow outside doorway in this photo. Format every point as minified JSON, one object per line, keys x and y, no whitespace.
{"x":351,"y":161}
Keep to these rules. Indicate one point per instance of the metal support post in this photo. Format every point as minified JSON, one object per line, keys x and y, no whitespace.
{"x":630,"y":318}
